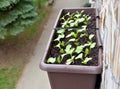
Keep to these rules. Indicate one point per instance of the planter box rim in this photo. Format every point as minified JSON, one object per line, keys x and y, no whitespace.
{"x":72,"y":68}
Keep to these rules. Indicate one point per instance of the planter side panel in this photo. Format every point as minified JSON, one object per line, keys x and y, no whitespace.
{"x":71,"y":80}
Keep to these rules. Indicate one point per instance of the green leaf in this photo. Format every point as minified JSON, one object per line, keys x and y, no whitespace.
{"x":79,"y":30}
{"x":51,"y":60}
{"x":61,"y":31}
{"x":69,"y":61}
{"x":80,"y":56}
{"x":87,"y":44}
{"x":73,"y":39}
{"x":92,"y":45}
{"x":63,"y":55}
{"x":87,"y":51}
{"x":69,"y":50}
{"x":86,"y":60}
{"x":61,"y":50}
{"x":59,"y":37}
{"x":70,"y":21}
{"x":64,"y":24}
{"x":62,"y":43}
{"x":83,"y":35}
{"x":58,"y":45}
{"x":72,"y":24}
{"x":91,"y":36}
{"x":79,"y":49}
{"x":68,"y":47}
{"x":77,"y":15}
{"x":58,"y":60}
{"x":89,"y":18}
{"x":71,"y":34}
{"x":79,"y":20}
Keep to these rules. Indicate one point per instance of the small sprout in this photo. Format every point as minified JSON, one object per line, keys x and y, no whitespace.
{"x":58,"y":60}
{"x":65,"y":24}
{"x":92,"y":45}
{"x":87,"y":44}
{"x":69,"y":61}
{"x":63,"y":18}
{"x":80,"y":20}
{"x":63,"y":55}
{"x":61,"y":50}
{"x":89,"y":18}
{"x":87,"y":59}
{"x":71,"y":34}
{"x":79,"y":49}
{"x":87,"y":51}
{"x":83,"y":35}
{"x":78,"y":14}
{"x":84,"y":27}
{"x":72,"y":24}
{"x":69,"y":50}
{"x":68,"y":47}
{"x":59,"y":37}
{"x":51,"y":60}
{"x":62,"y":43}
{"x":80,"y":56}
{"x":73,"y":39}
{"x":58,"y":45}
{"x":91,"y":36}
{"x":71,"y":21}
{"x":68,"y":14}
{"x":61,"y":31}
{"x":80,"y":30}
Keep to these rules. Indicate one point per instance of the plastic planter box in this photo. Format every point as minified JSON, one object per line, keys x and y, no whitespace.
{"x":72,"y":76}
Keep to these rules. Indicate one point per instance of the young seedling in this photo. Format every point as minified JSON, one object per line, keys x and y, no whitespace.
{"x":86,"y":60}
{"x":61,"y":31}
{"x":51,"y":60}
{"x":82,"y":29}
{"x":69,"y":61}
{"x":59,"y":37}
{"x":69,"y":49}
{"x":80,"y":56}
{"x":72,"y":34}
{"x":58,"y":60}
{"x":87,"y":51}
{"x":92,"y":44}
{"x":78,"y":14}
{"x":79,"y":49}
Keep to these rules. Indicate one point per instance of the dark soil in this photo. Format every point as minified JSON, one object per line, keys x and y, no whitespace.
{"x":54,"y":52}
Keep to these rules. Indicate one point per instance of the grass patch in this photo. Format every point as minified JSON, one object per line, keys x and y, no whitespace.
{"x":9,"y":76}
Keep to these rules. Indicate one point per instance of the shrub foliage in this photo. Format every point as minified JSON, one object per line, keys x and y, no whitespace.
{"x":15,"y":15}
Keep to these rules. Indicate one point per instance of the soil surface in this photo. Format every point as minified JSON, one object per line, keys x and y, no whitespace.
{"x":55,"y":51}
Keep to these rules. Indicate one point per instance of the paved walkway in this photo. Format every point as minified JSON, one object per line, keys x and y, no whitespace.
{"x":33,"y":77}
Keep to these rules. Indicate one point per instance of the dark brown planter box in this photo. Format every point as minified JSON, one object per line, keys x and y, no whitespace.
{"x":63,"y":76}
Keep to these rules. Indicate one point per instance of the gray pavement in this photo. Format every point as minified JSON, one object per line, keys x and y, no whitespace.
{"x":32,"y":77}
